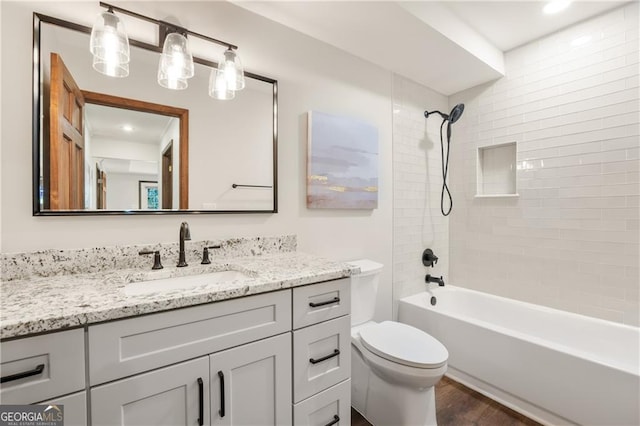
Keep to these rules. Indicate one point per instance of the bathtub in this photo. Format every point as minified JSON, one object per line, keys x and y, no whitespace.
{"x":552,"y":366}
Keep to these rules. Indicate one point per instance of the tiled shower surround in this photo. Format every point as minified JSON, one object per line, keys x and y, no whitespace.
{"x":417,"y":179}
{"x":571,"y":239}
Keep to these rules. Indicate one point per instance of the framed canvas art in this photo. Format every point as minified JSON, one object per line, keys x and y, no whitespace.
{"x":342,"y":163}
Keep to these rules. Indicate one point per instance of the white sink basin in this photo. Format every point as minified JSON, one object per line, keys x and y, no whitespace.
{"x":181,"y":283}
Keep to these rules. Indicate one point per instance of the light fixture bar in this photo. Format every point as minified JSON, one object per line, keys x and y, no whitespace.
{"x":168,"y":26}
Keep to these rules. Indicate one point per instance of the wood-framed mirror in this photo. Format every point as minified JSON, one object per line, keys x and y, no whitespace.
{"x":204,"y":155}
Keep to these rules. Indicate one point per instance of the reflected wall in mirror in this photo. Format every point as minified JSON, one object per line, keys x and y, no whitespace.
{"x":96,"y":138}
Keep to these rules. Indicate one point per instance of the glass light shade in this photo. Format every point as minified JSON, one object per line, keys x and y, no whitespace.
{"x":218,"y":87}
{"x":233,"y":70}
{"x":176,"y":62}
{"x":171,"y":81}
{"x":110,"y":68}
{"x":109,"y":45}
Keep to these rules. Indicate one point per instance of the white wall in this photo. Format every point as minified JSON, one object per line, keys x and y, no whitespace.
{"x":417,"y":221}
{"x":123,"y":190}
{"x":105,"y":147}
{"x":311,"y":76}
{"x":570,"y":241}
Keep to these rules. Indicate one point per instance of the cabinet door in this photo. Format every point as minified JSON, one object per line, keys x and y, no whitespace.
{"x":251,"y":384}
{"x":75,"y":408}
{"x":171,"y":396}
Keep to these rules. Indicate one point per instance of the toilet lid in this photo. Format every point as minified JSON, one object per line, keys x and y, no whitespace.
{"x":404,"y":344}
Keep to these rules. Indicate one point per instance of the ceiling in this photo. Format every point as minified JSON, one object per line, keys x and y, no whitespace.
{"x":109,"y":123}
{"x":448,"y":46}
{"x":509,"y":24}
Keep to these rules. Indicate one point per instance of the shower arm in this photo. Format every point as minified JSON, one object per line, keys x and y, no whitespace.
{"x":442,"y":114}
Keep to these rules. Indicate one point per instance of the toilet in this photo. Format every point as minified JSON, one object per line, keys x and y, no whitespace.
{"x":394,"y":366}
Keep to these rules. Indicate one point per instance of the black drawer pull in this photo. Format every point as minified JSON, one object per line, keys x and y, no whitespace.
{"x":335,"y":420}
{"x":327,"y":302}
{"x":335,"y":353}
{"x":38,"y":370}
{"x":201,"y":401}
{"x":221,"y":411}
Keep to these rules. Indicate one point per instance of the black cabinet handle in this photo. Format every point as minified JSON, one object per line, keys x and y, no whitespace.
{"x":336,"y":352}
{"x":221,"y":376}
{"x":336,"y":419}
{"x":38,"y":370}
{"x":201,"y":398}
{"x":327,"y":302}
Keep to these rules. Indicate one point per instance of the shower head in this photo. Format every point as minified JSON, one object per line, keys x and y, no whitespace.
{"x":456,"y":113}
{"x":453,"y":116}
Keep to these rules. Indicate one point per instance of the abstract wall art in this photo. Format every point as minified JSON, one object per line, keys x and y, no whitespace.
{"x":342,"y":163}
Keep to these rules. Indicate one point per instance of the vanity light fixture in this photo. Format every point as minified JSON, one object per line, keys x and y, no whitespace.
{"x":109,"y":45}
{"x":176,"y":62}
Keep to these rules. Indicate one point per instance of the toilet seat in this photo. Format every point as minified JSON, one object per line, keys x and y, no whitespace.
{"x":404,"y":344}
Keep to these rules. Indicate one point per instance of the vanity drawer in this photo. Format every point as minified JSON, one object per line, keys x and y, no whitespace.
{"x":320,"y":302}
{"x":123,"y":348}
{"x":54,"y":364}
{"x":329,"y":407}
{"x":321,"y":357}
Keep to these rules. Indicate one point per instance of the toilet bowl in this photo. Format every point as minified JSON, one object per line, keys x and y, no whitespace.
{"x":394,"y":366}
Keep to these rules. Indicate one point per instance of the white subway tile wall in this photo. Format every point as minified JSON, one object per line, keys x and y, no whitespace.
{"x":417,"y":178}
{"x":571,"y":240}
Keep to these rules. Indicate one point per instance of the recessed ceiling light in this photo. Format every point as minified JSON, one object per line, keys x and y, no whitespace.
{"x":127,"y":128}
{"x":556,"y":6}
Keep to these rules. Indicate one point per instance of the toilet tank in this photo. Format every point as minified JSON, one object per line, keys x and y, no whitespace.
{"x":364,"y":289}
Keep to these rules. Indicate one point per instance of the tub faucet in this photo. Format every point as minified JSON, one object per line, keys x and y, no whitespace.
{"x":429,"y":279}
{"x":184,"y":235}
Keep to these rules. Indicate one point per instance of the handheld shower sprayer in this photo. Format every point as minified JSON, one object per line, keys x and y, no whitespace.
{"x":450,"y":118}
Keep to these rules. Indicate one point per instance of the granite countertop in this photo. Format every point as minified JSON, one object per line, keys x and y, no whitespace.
{"x":53,"y":303}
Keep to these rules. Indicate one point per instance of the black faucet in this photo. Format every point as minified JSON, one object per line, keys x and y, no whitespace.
{"x":429,"y":279}
{"x":184,"y":235}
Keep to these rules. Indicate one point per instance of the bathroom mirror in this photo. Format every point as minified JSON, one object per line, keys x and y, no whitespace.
{"x":140,"y":148}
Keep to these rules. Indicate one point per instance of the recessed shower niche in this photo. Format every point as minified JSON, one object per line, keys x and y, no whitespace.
{"x":496,"y":168}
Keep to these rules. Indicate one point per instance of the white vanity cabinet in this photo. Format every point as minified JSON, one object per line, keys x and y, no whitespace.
{"x":246,"y":385}
{"x":46,"y":369}
{"x":278,"y":358}
{"x":322,"y":354}
{"x":246,"y":341}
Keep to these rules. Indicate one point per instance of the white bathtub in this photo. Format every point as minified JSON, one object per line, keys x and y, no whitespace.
{"x":553,"y":366}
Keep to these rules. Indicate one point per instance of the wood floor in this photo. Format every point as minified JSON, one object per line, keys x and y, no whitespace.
{"x":457,"y":405}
